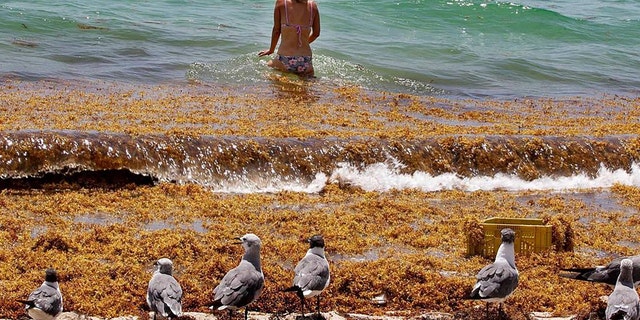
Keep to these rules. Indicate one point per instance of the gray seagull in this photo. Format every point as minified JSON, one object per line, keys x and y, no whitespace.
{"x":312,"y":273}
{"x":45,"y":303}
{"x":242,"y":284}
{"x":164,"y":294}
{"x":497,"y":281}
{"x":604,"y":274}
{"x":623,"y":302}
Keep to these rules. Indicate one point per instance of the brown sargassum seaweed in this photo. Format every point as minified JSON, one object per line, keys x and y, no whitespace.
{"x":409,"y":245}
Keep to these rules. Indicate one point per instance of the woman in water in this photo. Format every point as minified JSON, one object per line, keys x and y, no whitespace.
{"x":296,"y":23}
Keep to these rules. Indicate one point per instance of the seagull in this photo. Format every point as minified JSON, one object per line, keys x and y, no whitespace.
{"x":45,"y":303}
{"x":164,"y":294}
{"x":312,"y":273}
{"x":604,"y":274}
{"x":497,"y":281}
{"x":623,"y":302}
{"x":242,"y":284}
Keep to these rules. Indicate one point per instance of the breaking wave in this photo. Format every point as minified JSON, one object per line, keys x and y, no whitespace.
{"x":59,"y":159}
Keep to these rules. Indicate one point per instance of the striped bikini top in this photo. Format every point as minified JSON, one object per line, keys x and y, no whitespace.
{"x":299,"y":27}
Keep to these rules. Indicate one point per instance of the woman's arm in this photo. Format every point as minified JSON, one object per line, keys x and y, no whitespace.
{"x":315,"y":29}
{"x":275,"y":32}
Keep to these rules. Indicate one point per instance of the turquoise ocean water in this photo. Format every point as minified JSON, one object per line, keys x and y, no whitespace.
{"x":430,"y":47}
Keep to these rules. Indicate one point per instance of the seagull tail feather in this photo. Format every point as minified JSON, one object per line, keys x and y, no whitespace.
{"x":577,"y":273}
{"x":579,"y":270}
{"x":618,"y":315}
{"x":30,"y":303}
{"x":471,"y":296}
{"x":296,"y":289}
{"x":215,"y":305}
{"x":474,"y":294}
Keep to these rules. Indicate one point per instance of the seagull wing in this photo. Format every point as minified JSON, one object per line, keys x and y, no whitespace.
{"x":604,"y":274}
{"x":165,"y":295}
{"x":312,"y":273}
{"x":239,"y":287}
{"x":497,"y":280}
{"x":47,"y":299}
{"x":172,"y":296}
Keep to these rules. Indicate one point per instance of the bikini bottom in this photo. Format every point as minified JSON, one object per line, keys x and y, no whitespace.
{"x":296,"y":64}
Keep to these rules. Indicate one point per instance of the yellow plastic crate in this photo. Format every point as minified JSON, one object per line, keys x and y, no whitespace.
{"x":532,"y":235}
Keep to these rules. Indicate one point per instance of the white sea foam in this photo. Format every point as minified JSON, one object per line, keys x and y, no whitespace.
{"x":382,"y":177}
{"x":385,"y":177}
{"x":245,"y":185}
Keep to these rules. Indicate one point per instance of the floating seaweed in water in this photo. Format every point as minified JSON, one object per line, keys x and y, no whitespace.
{"x":83,"y":26}
{"x":24,"y":43}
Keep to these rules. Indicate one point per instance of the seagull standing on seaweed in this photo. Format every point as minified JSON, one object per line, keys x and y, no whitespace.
{"x":312,"y":273}
{"x":623,"y":303}
{"x":164,"y":294}
{"x":607,"y":274}
{"x":497,"y":281}
{"x":242,"y":284}
{"x":45,"y":303}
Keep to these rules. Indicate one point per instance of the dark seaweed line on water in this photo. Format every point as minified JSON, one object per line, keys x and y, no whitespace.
{"x":32,"y":159}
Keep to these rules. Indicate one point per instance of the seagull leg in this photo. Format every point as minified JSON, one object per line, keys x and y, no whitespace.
{"x":318,"y":305}
{"x":302,"y":304}
{"x":246,"y":313}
